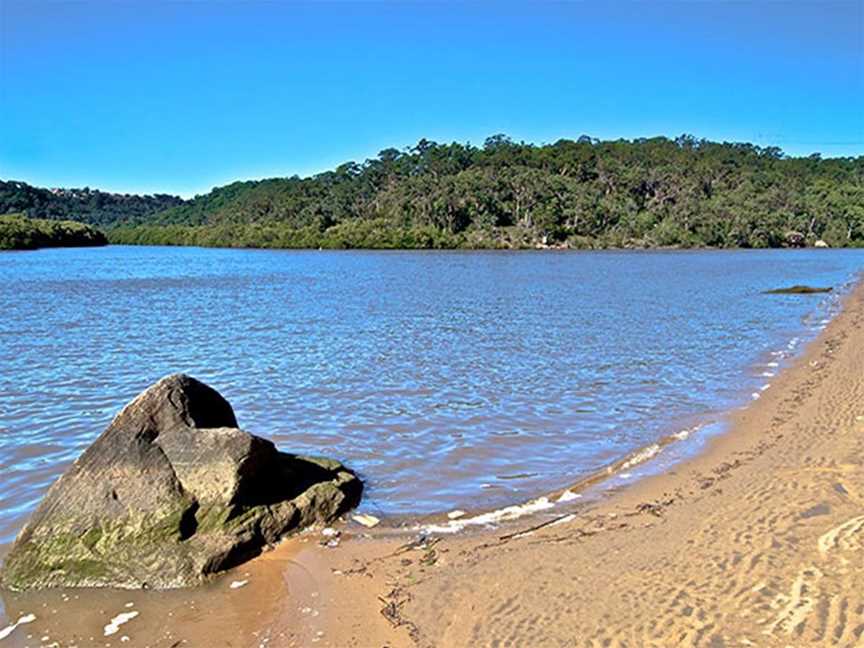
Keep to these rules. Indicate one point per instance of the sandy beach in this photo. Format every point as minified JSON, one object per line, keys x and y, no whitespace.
{"x":757,"y":541}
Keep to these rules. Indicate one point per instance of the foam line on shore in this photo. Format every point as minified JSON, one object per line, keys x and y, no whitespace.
{"x":562,"y":497}
{"x":492,"y":517}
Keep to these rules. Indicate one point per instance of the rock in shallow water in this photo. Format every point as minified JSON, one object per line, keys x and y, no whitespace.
{"x":169,"y":494}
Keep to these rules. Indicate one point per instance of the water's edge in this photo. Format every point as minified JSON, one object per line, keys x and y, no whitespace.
{"x":536,"y":373}
{"x":655,"y":458}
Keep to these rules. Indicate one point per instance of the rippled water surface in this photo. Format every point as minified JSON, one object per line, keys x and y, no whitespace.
{"x":447,"y":379}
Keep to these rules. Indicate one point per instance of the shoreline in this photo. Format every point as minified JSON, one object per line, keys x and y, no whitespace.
{"x":548,"y":248}
{"x":692,"y":436}
{"x":376,"y":587}
{"x":445,"y":596}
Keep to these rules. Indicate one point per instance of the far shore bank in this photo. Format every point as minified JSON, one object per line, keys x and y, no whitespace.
{"x":273,"y":237}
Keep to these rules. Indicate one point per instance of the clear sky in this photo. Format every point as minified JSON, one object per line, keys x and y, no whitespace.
{"x":145,"y":96}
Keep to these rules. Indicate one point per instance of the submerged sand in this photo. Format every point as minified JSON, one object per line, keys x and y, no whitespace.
{"x":758,"y":541}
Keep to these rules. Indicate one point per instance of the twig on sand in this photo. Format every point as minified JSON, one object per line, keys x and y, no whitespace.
{"x":392,"y":611}
{"x":510,"y":536}
{"x":420,"y":543}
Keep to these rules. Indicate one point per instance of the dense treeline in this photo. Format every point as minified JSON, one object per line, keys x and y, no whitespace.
{"x":376,"y":233}
{"x":18,"y":232}
{"x":82,"y":205}
{"x":586,"y":193}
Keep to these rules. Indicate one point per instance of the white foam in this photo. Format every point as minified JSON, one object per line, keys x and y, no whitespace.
{"x":493,"y":517}
{"x":117,"y":621}
{"x":641,"y":456}
{"x":568,"y":496}
{"x":756,"y":395}
{"x":685,"y":433}
{"x":564,"y":520}
{"x":8,"y":630}
{"x":454,"y":515}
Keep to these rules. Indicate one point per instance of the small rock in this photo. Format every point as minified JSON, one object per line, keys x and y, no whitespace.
{"x":798,"y":290}
{"x":366,"y":520}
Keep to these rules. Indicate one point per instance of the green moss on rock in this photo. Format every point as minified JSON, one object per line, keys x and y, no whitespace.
{"x":135,"y":511}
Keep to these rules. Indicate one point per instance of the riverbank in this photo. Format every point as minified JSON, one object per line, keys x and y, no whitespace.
{"x":18,"y":232}
{"x":756,"y":542}
{"x":381,"y":234}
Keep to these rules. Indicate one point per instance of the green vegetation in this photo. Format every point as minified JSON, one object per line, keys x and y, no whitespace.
{"x":17,"y":232}
{"x":580,"y":194}
{"x":83,"y":205}
{"x":586,"y":193}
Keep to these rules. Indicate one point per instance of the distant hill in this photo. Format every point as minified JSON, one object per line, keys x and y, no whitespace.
{"x":18,"y":232}
{"x":82,"y":205}
{"x":586,"y":193}
{"x":582,"y":193}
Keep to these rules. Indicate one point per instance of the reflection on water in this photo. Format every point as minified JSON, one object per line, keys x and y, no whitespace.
{"x":447,"y":379}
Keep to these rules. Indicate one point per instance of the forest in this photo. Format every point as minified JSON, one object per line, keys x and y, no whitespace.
{"x":19,"y":232}
{"x":85,"y":205}
{"x":583,"y":193}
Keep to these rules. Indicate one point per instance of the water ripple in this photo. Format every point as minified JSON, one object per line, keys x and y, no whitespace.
{"x":447,"y":379}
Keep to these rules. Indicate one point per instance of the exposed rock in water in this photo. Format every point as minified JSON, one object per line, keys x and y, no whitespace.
{"x":169,"y":494}
{"x":798,"y":290}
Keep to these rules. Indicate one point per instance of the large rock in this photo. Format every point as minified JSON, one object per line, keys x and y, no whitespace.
{"x":170,"y":493}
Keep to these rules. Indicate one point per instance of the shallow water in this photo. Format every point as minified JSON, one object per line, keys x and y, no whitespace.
{"x":451,"y":379}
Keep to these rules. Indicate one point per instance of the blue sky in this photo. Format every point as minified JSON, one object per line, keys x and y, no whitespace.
{"x":180,"y":97}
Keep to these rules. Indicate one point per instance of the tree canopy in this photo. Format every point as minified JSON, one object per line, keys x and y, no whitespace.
{"x":583,"y":193}
{"x":83,"y":205}
{"x":18,"y":232}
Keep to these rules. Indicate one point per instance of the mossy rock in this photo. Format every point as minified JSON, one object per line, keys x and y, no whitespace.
{"x":171,"y":493}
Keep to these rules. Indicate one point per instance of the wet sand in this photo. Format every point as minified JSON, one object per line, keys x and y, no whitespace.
{"x":758,"y":541}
